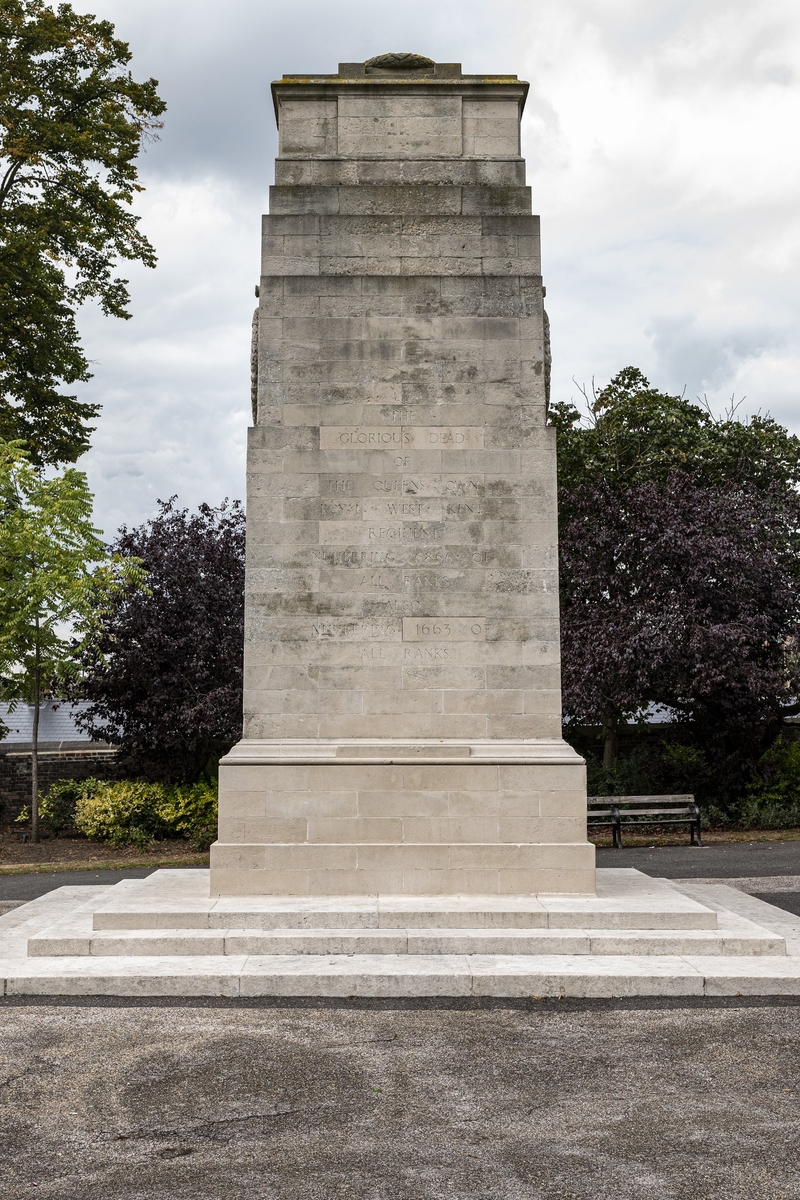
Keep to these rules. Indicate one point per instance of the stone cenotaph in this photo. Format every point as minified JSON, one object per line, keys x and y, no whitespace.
{"x":402,"y":714}
{"x":402,"y":801}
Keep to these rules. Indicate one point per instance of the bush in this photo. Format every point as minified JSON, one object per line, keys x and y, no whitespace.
{"x":772,"y":799}
{"x":132,"y":812}
{"x":123,"y":814}
{"x":650,"y":768}
{"x":190,"y":810}
{"x":57,"y":806}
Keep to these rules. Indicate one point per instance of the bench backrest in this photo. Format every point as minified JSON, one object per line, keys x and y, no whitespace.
{"x":627,"y":801}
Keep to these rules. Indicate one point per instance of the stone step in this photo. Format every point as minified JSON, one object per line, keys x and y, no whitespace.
{"x":179,"y":899}
{"x":404,"y":975}
{"x":737,"y":937}
{"x":67,"y":913}
{"x":250,"y":918}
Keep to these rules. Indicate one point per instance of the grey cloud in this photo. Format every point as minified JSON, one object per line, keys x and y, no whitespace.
{"x":633,"y":233}
{"x":701,"y":359}
{"x":215,"y":64}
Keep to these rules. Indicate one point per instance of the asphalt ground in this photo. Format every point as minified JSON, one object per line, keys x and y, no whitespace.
{"x":650,"y":1099}
{"x":725,"y":860}
{"x":28,"y":886}
{"x":603,"y":1100}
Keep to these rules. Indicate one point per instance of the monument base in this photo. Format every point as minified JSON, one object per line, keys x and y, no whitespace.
{"x":164,"y":936}
{"x":357,"y":817}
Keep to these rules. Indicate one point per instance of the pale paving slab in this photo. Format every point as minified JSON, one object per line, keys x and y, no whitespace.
{"x":64,"y":903}
{"x":751,"y":976}
{"x":358,"y":975}
{"x":600,"y":976}
{"x":616,"y":881}
{"x":87,"y":976}
{"x":410,"y":974}
{"x":482,"y":975}
{"x":749,"y":883}
{"x":405,"y":975}
{"x":723,"y":898}
{"x":381,"y":975}
{"x":67,"y":927}
{"x":734,"y":936}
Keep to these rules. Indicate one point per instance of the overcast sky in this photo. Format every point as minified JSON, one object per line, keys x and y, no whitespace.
{"x":663,"y":150}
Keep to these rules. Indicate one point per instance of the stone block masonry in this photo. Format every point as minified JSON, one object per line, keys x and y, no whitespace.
{"x":402,"y":728}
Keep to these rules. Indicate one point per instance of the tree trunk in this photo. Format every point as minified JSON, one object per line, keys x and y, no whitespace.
{"x":35,"y":745}
{"x":610,"y":743}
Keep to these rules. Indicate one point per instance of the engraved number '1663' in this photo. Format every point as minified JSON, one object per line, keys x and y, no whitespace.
{"x":435,"y":630}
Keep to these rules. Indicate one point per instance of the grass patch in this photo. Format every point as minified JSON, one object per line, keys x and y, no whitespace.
{"x":105,"y":864}
{"x":711,"y":837}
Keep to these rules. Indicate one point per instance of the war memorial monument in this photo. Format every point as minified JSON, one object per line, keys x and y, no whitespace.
{"x":402,"y":816}
{"x":402,"y":727}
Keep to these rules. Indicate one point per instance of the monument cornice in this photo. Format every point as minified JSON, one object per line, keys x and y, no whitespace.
{"x":483,"y":86}
{"x":402,"y":751}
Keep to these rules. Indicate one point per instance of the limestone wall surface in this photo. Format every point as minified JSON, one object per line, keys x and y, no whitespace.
{"x":401,"y":503}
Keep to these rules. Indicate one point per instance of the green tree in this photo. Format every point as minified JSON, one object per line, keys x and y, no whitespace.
{"x":72,"y":122}
{"x":56,"y":579}
{"x":632,"y":434}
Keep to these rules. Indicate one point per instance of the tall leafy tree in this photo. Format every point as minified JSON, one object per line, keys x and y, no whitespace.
{"x":679,"y":563}
{"x":164,"y":670}
{"x":72,"y":123}
{"x":56,"y":578}
{"x":683,"y":595}
{"x":633,"y":434}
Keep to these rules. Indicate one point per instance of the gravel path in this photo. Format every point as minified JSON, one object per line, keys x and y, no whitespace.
{"x":593,"y":1100}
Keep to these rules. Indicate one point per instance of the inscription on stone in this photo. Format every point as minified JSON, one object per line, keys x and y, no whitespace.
{"x":349,"y":631}
{"x":443,"y":485}
{"x":407,"y":437}
{"x":409,"y":508}
{"x":439,"y":629}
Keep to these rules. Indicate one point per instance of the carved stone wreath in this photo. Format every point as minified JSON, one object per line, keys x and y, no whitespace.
{"x":399,"y":63}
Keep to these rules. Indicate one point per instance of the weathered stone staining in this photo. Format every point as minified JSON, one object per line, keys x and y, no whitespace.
{"x":402,"y":709}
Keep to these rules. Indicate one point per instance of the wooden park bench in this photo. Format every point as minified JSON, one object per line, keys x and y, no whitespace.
{"x":633,"y":811}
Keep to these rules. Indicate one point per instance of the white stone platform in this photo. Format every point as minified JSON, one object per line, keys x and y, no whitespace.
{"x":164,"y":936}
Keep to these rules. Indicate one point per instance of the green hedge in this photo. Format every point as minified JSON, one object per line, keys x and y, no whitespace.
{"x":132,"y":812}
{"x":772,"y":799}
{"x":733,"y":791}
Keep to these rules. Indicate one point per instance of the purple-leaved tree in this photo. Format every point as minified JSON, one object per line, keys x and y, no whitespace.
{"x":164,"y":670}
{"x":683,"y":594}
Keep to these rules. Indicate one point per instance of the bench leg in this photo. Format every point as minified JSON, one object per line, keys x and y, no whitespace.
{"x":618,"y":836}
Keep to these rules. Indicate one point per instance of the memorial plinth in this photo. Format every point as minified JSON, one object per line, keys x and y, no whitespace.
{"x":402,"y":729}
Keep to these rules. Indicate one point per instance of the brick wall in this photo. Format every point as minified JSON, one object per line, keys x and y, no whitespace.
{"x":15,"y":774}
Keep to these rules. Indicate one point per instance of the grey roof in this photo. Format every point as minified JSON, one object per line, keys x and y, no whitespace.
{"x":56,"y":724}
